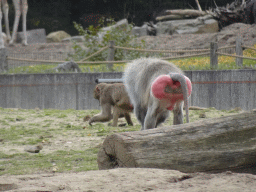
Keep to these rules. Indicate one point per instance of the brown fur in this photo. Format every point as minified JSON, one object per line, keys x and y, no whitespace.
{"x":112,"y":95}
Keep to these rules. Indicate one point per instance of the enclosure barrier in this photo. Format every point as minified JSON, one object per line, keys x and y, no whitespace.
{"x":213,"y":51}
{"x":225,"y":89}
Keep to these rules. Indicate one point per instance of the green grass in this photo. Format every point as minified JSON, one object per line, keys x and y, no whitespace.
{"x":64,"y":161}
{"x":69,"y":143}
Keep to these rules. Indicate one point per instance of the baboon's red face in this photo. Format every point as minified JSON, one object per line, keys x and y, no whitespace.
{"x":165,"y":88}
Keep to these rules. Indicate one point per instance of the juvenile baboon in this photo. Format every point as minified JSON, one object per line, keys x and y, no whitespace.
{"x":155,"y":87}
{"x":112,"y":95}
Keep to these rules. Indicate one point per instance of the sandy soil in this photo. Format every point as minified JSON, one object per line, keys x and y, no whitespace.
{"x":132,"y":179}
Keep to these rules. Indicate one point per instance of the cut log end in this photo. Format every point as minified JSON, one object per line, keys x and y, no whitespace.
{"x":114,"y":153}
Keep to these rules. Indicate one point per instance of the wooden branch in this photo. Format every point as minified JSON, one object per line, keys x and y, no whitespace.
{"x":213,"y":144}
{"x":180,"y":14}
{"x":170,"y":17}
{"x":198,"y":5}
{"x":190,"y":12}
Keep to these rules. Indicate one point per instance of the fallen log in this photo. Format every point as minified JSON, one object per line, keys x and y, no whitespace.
{"x":190,"y":12}
{"x":216,"y":144}
{"x":180,"y":14}
{"x":171,"y":17}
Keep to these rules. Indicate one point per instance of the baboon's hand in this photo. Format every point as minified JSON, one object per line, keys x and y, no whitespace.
{"x":90,"y":122}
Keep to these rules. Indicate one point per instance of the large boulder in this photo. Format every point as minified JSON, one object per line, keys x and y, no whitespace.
{"x":205,"y":24}
{"x":33,"y":36}
{"x":122,"y":24}
{"x":146,"y":29}
{"x":57,"y":36}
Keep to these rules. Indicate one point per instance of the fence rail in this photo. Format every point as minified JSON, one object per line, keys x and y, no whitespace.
{"x":21,"y":59}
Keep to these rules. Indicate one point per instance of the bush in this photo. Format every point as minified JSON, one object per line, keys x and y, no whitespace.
{"x":122,"y":37}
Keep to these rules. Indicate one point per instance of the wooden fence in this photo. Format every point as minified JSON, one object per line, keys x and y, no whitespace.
{"x":19,"y":59}
{"x":222,"y":89}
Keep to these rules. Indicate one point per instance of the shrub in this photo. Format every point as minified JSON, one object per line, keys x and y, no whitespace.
{"x":122,"y":37}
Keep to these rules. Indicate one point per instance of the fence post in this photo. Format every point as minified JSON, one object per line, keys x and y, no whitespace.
{"x":111,"y":54}
{"x":239,"y":52}
{"x":213,"y":55}
{"x":3,"y":60}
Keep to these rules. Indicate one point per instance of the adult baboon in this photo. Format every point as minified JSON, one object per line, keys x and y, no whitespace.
{"x":112,"y":95}
{"x":155,"y":87}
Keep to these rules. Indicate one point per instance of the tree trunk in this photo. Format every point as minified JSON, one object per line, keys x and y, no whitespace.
{"x":209,"y":145}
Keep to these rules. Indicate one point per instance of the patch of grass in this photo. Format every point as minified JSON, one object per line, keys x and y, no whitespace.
{"x":10,"y":119}
{"x":70,"y":126}
{"x":9,"y":134}
{"x":64,"y":161}
{"x":62,"y":116}
{"x":34,"y":69}
{"x":3,"y":122}
{"x":16,"y":132}
{"x":47,"y":125}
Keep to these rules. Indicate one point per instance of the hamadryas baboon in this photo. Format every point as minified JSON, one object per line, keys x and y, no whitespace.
{"x":155,"y":87}
{"x":112,"y":96}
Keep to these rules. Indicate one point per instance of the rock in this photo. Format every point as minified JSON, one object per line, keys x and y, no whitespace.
{"x":68,"y":66}
{"x":199,"y":25}
{"x":33,"y":36}
{"x":86,"y":118}
{"x":226,"y":37}
{"x":146,"y":29}
{"x":122,"y":24}
{"x":139,"y":31}
{"x":202,"y":115}
{"x":74,"y":38}
{"x":57,"y":36}
{"x":34,"y":149}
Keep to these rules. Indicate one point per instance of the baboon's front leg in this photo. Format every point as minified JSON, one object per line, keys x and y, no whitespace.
{"x":105,"y":114}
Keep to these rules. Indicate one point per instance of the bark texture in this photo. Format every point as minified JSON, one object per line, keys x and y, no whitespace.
{"x":209,"y":145}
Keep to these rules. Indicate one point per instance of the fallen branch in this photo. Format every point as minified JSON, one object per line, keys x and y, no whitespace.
{"x":214,"y":144}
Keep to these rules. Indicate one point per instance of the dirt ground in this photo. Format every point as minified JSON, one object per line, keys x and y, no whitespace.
{"x":132,"y":179}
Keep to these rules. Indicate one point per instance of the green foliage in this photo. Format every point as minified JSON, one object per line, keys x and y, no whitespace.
{"x":122,"y":37}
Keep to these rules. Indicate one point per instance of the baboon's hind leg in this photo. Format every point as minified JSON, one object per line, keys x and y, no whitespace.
{"x":116,"y":114}
{"x":128,"y":118}
{"x":104,"y":116}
